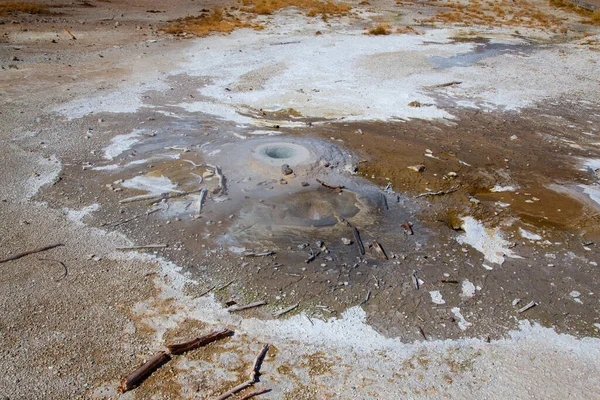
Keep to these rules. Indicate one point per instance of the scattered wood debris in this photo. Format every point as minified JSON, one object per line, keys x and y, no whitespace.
{"x":26,"y":253}
{"x":147,"y":246}
{"x":135,"y":378}
{"x":367,"y":298}
{"x":247,"y":306}
{"x":438,"y":193}
{"x":115,"y":224}
{"x":200,"y":201}
{"x":181,"y":348}
{"x":285,"y":310}
{"x":330,"y":186}
{"x":255,"y":393}
{"x":443,"y":85}
{"x":312,"y":256}
{"x":254,"y":375}
{"x":71,"y":36}
{"x":528,"y":306}
{"x":262,"y":254}
{"x":66,"y":271}
{"x":145,"y":370}
{"x":415,"y":280}
{"x":379,"y":249}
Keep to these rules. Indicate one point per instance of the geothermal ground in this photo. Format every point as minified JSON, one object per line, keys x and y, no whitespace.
{"x":409,"y":194}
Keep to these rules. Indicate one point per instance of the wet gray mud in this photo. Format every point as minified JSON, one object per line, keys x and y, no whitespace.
{"x":339,"y":180}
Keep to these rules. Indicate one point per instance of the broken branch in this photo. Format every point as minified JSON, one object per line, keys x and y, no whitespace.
{"x":70,"y":34}
{"x":264,"y":253}
{"x":247,"y":306}
{"x":285,"y":310}
{"x":438,"y":193}
{"x":145,"y":370}
{"x":26,"y":253}
{"x":181,"y":348}
{"x":258,"y":363}
{"x":408,"y":228}
{"x":236,"y":389}
{"x":200,"y":201}
{"x":148,"y":246}
{"x":330,"y":186}
{"x":379,"y":249}
{"x":255,"y":393}
{"x":529,"y":305}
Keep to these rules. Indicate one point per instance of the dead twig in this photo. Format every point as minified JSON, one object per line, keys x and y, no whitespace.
{"x":422,"y":332}
{"x":330,"y":186}
{"x":166,"y":196}
{"x":415,"y":280}
{"x":247,"y":306}
{"x":145,"y":370}
{"x":255,"y":373}
{"x":64,"y":275}
{"x":312,"y":256}
{"x":443,"y":85}
{"x":236,"y":389}
{"x":366,"y":298}
{"x":438,"y":193}
{"x":225,"y":285}
{"x":147,"y":246}
{"x":263,"y":254}
{"x":181,"y":348}
{"x":379,"y":249}
{"x":207,"y":291}
{"x":115,"y":224}
{"x":255,"y":393}
{"x":26,"y":253}
{"x":70,"y":34}
{"x":529,"y":305}
{"x":286,"y":310}
{"x":200,"y":201}
{"x":143,"y":197}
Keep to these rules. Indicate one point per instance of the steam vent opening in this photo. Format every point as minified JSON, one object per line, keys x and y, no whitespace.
{"x":277,"y":154}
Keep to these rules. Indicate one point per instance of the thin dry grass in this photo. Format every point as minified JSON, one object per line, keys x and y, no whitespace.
{"x":593,"y":16}
{"x":312,"y":8}
{"x":14,"y":7}
{"x":381,"y":29}
{"x":202,"y":25}
{"x":520,"y":13}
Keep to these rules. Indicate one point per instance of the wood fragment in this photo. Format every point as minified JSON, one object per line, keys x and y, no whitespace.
{"x":247,"y":306}
{"x":285,"y":310}
{"x":529,"y":305}
{"x":255,"y":393}
{"x":181,"y":348}
{"x":118,"y":223}
{"x":455,"y":282}
{"x":255,"y":373}
{"x":443,"y":85}
{"x":438,"y":193}
{"x":66,"y":271}
{"x":174,"y":195}
{"x":330,"y":186}
{"x":208,"y":291}
{"x":147,"y":246}
{"x":226,"y":285}
{"x":71,"y":36}
{"x":26,"y":253}
{"x":143,"y":197}
{"x":236,"y":389}
{"x":145,"y":370}
{"x":408,"y":228}
{"x":415,"y":280}
{"x":262,"y":254}
{"x":366,"y":298}
{"x":312,"y":256}
{"x":422,"y":332}
{"x":379,"y":249}
{"x":200,"y":201}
